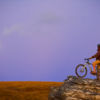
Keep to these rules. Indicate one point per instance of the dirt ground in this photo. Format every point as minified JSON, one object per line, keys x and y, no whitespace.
{"x":26,"y":90}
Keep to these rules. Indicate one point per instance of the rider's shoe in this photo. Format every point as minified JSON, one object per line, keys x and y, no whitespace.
{"x":93,"y":72}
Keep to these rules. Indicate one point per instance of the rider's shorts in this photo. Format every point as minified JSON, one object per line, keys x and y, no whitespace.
{"x":96,"y":62}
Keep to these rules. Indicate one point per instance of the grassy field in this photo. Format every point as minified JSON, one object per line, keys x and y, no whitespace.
{"x":26,"y":90}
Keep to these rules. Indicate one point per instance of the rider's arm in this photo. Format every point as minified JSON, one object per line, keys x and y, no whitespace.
{"x":90,"y":58}
{"x":94,"y":56}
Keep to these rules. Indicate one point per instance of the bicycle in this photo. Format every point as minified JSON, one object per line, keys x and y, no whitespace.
{"x":83,"y":69}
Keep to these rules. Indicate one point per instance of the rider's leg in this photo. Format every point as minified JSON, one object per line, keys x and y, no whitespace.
{"x":94,"y":64}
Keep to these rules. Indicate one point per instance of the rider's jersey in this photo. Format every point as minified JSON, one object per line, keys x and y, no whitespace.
{"x":97,"y":55}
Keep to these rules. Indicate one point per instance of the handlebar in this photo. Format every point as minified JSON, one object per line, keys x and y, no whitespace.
{"x":86,"y":59}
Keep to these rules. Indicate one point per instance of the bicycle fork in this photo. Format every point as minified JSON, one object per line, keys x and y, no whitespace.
{"x":86,"y":65}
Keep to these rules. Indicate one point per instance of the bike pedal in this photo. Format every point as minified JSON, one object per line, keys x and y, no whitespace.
{"x":93,"y":73}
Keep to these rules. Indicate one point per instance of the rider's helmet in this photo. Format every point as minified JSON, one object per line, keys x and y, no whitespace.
{"x":98,"y":45}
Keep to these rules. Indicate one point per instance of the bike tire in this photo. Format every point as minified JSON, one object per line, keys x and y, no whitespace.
{"x":76,"y":70}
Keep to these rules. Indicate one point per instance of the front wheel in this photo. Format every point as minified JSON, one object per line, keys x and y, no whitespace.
{"x":81,"y":71}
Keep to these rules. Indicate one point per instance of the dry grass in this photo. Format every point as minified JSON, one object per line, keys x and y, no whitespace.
{"x":26,"y":90}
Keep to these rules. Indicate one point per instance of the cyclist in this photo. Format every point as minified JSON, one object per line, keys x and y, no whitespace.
{"x":97,"y":56}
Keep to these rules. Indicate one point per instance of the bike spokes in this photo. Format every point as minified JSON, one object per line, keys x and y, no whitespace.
{"x":81,"y":70}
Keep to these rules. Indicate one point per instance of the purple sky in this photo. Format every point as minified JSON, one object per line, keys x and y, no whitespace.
{"x":44,"y":40}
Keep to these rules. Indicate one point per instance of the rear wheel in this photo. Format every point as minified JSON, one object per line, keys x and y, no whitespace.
{"x":81,"y":71}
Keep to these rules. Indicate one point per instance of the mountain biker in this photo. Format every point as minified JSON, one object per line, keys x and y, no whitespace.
{"x":97,"y":56}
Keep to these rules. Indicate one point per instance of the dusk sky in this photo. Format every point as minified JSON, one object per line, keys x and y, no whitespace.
{"x":44,"y":40}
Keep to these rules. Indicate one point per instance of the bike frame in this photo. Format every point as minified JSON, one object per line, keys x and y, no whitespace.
{"x":88,"y":64}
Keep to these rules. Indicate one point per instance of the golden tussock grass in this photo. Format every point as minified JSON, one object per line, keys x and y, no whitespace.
{"x":26,"y":90}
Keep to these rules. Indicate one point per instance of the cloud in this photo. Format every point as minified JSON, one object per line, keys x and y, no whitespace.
{"x":12,"y":29}
{"x":50,"y":18}
{"x":35,"y":25}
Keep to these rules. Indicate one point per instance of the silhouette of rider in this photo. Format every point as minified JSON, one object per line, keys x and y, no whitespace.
{"x":97,"y":56}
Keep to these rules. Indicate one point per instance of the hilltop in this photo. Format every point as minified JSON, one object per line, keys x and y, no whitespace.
{"x":76,"y":89}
